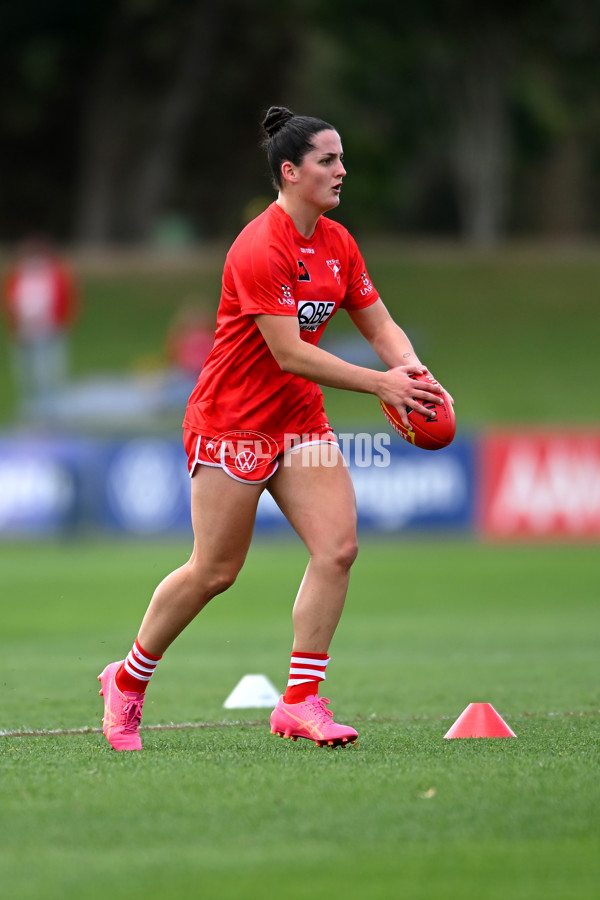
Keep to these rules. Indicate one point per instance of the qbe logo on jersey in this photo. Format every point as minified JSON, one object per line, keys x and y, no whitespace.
{"x":312,"y":314}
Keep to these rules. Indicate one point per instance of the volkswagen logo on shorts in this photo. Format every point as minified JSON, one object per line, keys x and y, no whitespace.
{"x":246,"y":461}
{"x":248,"y":455}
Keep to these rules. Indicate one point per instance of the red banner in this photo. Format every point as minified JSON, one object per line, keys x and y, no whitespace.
{"x":540,"y":485}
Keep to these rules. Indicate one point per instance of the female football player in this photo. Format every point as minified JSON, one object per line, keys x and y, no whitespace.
{"x":256,"y":421}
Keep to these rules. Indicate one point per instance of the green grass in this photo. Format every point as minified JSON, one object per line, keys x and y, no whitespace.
{"x":510,"y":333}
{"x":231,"y":811}
{"x":225,"y":810}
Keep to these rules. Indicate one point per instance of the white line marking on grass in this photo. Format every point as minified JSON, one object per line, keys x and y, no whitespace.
{"x":180,"y":726}
{"x":172,"y":726}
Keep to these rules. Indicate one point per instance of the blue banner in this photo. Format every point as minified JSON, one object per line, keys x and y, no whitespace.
{"x":44,"y":483}
{"x":145,"y":487}
{"x":140,"y":486}
{"x":400,"y":487}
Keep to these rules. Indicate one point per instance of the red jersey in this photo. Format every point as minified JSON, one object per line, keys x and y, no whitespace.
{"x":272,"y":269}
{"x":38,"y":299}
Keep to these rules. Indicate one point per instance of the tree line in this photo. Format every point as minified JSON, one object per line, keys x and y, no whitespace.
{"x":458,"y":118}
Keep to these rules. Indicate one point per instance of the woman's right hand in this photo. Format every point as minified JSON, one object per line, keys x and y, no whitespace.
{"x":401,"y":391}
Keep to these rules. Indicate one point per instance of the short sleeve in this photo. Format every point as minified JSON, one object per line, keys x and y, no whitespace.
{"x":261,"y":275}
{"x":360,"y":291}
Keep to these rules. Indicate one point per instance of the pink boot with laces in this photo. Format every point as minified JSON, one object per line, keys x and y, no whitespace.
{"x":122,"y":711}
{"x":312,"y":720}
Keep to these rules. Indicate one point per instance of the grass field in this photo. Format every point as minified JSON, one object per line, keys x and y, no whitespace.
{"x":225,"y":810}
{"x":222,"y":809}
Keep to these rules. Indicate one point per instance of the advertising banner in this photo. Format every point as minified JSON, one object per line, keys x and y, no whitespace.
{"x":145,"y":487}
{"x":400,"y":487}
{"x":540,"y":485}
{"x":43,"y":484}
{"x":502,"y":485}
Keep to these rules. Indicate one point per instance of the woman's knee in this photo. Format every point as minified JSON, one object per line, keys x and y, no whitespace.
{"x":221,"y":581}
{"x":349,"y":552}
{"x":341,"y":554}
{"x":215,"y":579}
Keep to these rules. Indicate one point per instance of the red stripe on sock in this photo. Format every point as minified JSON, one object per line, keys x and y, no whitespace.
{"x":297,"y":693}
{"x":137,"y":646}
{"x":126,"y":681}
{"x":311,"y":655}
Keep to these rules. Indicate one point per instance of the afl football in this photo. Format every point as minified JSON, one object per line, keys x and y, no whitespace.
{"x":426,"y":432}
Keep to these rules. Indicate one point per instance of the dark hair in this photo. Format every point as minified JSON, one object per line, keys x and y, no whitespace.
{"x":289,"y":138}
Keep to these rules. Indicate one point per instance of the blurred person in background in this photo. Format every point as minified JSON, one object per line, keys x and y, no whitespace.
{"x":39,"y":304}
{"x":256,"y":420}
{"x":189,"y":340}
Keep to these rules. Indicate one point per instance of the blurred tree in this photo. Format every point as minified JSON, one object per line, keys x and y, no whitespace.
{"x":168,"y":111}
{"x":44,"y":52}
{"x":556,"y":105}
{"x":442,"y":97}
{"x":118,"y":113}
{"x":153,"y":70}
{"x":469,"y":119}
{"x":472,"y":82}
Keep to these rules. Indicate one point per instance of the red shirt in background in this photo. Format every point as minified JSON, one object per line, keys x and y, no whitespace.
{"x":38,"y":298}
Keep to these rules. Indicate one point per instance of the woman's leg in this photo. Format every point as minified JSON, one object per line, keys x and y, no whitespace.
{"x":223,"y":516}
{"x":314,"y":490}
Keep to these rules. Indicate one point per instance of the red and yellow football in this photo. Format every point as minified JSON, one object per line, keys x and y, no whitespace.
{"x":427,"y":432}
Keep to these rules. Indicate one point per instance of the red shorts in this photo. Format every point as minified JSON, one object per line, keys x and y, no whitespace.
{"x":248,"y":456}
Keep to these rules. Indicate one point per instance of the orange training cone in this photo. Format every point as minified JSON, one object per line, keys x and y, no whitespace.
{"x":479,"y":720}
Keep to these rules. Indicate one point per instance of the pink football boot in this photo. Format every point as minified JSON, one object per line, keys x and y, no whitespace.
{"x":122,"y":711}
{"x":312,"y":720}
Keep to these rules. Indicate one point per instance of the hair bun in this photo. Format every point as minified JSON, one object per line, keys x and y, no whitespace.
{"x":276,"y":118}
